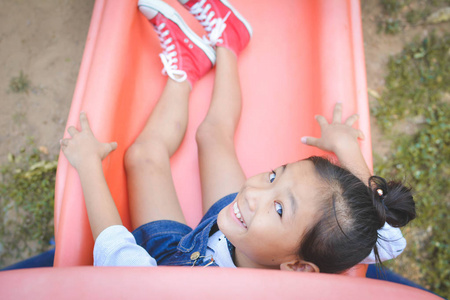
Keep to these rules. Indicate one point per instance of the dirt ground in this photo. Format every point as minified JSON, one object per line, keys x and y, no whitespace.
{"x":45,"y":40}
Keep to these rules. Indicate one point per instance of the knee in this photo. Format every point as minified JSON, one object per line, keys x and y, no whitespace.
{"x":143,"y":154}
{"x":210,"y":133}
{"x":134,"y":156}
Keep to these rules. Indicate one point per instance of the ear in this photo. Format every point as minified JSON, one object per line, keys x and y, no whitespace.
{"x":299,"y":266}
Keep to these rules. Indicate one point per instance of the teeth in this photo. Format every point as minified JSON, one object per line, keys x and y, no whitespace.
{"x":238,"y":214}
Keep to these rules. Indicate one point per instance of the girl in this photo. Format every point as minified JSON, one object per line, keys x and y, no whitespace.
{"x":309,"y":215}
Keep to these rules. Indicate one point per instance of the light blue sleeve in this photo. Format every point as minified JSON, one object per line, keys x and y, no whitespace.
{"x":116,"y":246}
{"x":391,"y":244}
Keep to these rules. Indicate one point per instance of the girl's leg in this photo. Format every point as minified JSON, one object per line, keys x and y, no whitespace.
{"x":220,"y":171}
{"x":151,"y":190}
{"x":186,"y":58}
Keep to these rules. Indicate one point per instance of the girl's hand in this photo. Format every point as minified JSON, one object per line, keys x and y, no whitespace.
{"x":336,"y":136}
{"x":83,"y":148}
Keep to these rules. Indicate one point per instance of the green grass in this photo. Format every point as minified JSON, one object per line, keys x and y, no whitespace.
{"x":26,"y":198}
{"x":414,"y":113}
{"x":389,"y":22}
{"x":398,"y":14}
{"x":20,"y":84}
{"x":392,"y":7}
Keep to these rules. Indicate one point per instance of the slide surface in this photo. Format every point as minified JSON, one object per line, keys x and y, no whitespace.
{"x":304,"y":57}
{"x":197,"y":283}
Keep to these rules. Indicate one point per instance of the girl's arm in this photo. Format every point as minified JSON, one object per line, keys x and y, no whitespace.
{"x":85,"y":153}
{"x":342,"y":139}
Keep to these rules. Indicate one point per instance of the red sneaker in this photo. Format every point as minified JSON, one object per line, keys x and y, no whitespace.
{"x":224,"y":24}
{"x":185,"y":55}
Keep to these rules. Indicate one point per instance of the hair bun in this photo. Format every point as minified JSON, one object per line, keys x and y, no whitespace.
{"x":379,"y":190}
{"x":393,"y":201}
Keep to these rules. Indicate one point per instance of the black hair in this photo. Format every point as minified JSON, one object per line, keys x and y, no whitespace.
{"x":351,"y":213}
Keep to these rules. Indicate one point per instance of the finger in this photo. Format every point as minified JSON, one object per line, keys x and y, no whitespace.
{"x":361,"y":135}
{"x":113,"y":146}
{"x":337,"y":113}
{"x":351,"y":120}
{"x":64,"y":142}
{"x":311,"y":141}
{"x":72,"y":131}
{"x":321,"y":120}
{"x":63,"y":146}
{"x":84,"y":122}
{"x":109,"y":147}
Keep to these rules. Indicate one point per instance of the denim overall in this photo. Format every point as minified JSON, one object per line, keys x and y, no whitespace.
{"x":172,"y":243}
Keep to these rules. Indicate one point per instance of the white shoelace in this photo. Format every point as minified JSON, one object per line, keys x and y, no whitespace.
{"x":213,"y":26}
{"x":169,"y":55}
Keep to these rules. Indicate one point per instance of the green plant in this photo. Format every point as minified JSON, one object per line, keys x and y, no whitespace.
{"x":392,"y":7}
{"x":20,"y":84}
{"x":416,"y":97}
{"x":18,"y":117}
{"x":390,"y":26}
{"x":26,"y":199}
{"x":417,"y":80}
{"x":389,"y":23}
{"x":397,"y":14}
{"x":414,"y":16}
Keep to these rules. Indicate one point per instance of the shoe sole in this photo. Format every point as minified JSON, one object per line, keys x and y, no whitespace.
{"x":239,"y":16}
{"x":171,"y":14}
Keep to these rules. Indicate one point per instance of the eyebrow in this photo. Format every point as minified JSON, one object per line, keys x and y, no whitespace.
{"x":292,"y":199}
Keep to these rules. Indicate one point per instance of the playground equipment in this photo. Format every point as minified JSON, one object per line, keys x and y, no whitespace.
{"x":304,"y":57}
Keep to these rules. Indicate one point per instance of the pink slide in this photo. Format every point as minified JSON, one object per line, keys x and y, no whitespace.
{"x":305,"y":55}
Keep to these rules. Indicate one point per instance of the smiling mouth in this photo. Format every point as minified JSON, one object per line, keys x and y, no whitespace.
{"x":238,"y":215}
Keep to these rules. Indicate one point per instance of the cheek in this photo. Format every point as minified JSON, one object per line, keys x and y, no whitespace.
{"x":275,"y":239}
{"x":267,"y":248}
{"x":226,"y":223}
{"x":221,"y":219}
{"x":263,"y":232}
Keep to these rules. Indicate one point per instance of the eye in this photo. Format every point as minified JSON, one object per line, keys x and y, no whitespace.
{"x":279,"y":209}
{"x":272,"y":176}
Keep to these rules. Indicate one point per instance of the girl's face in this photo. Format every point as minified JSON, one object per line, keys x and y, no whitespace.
{"x":270,"y":214}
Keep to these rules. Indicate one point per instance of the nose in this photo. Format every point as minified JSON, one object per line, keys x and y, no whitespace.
{"x":254,"y":197}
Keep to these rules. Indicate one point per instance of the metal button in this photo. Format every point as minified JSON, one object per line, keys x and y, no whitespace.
{"x":195,"y":255}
